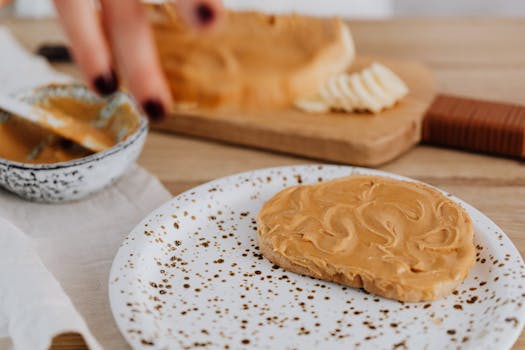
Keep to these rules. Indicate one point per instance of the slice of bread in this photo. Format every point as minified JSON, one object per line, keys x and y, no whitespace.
{"x":398,"y":239}
{"x":253,"y":59}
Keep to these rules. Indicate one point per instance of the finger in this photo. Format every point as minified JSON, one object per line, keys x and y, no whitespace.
{"x":88,"y":44}
{"x":4,"y":3}
{"x":203,"y":14}
{"x":136,"y":55}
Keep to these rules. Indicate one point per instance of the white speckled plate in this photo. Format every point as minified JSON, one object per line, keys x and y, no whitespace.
{"x":190,"y":275}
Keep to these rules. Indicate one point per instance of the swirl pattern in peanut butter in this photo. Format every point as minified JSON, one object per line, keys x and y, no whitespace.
{"x":394,"y":238}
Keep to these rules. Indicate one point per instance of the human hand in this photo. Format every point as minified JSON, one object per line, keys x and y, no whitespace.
{"x":121,"y":38}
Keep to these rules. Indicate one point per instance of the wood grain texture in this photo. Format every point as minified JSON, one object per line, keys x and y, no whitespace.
{"x":68,"y":341}
{"x":481,"y":58}
{"x":357,"y":138}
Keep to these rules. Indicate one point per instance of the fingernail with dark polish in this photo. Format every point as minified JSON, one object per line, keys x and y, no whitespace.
{"x":106,"y":84}
{"x":205,"y":13}
{"x":154,"y":109}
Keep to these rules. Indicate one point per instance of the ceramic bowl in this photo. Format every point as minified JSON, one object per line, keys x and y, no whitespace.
{"x":78,"y":178}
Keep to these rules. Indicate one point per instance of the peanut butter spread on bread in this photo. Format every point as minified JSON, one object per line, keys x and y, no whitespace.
{"x":398,"y":239}
{"x":252,"y":60}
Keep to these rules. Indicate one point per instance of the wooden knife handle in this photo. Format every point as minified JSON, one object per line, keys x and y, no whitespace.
{"x":476,"y":125}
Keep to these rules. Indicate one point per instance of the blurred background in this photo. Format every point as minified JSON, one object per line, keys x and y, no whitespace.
{"x":344,"y":8}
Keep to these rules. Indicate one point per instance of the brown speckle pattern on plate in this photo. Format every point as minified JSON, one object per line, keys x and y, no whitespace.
{"x":191,"y":276}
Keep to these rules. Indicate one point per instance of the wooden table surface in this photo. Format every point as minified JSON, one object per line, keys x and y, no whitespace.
{"x":482,"y":58}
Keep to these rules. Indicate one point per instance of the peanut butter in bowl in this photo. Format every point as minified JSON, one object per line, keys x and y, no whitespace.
{"x":39,"y":165}
{"x":26,"y":142}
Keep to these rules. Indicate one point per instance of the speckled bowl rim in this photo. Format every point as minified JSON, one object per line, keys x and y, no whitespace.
{"x":95,"y":157}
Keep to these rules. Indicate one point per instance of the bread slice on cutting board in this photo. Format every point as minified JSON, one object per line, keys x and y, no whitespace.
{"x":398,"y":239}
{"x":252,"y":60}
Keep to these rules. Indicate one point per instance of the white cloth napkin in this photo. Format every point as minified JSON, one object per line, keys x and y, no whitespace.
{"x":30,"y":291}
{"x":53,"y":277}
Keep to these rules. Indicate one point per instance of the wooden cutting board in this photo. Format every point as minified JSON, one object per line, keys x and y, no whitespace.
{"x":359,"y":139}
